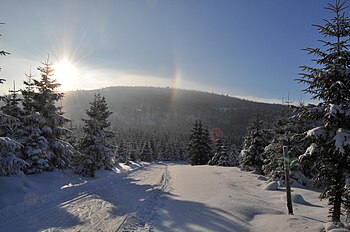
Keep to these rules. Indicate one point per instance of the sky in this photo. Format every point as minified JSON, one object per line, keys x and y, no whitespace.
{"x":246,"y":48}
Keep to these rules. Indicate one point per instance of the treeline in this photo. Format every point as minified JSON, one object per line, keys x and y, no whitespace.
{"x":149,"y":113}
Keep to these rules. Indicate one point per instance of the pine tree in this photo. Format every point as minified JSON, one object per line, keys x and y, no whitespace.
{"x":28,"y":95}
{"x":35,"y":145}
{"x":11,"y":119}
{"x":46,"y":148}
{"x":251,"y":156}
{"x":10,"y":149}
{"x":95,"y":151}
{"x":122,"y":154}
{"x":146,"y":153}
{"x":234,"y":155}
{"x":221,"y":157}
{"x":288,"y":131}
{"x":199,"y":144}
{"x":11,"y":132}
{"x":329,"y":83}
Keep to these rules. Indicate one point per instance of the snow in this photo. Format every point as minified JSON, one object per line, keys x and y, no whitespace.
{"x":155,"y":197}
{"x":341,"y":139}
{"x":317,"y":132}
{"x":334,"y":110}
{"x":273,"y":185}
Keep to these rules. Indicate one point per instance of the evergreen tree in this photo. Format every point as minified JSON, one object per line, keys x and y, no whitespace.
{"x":122,"y":154}
{"x":11,"y":117}
{"x":46,"y":144}
{"x":199,"y":144}
{"x":288,"y":131}
{"x":35,"y":144}
{"x":28,"y":95}
{"x":329,"y":83}
{"x":162,"y":151}
{"x":10,"y":149}
{"x":220,"y":157}
{"x":234,"y":155}
{"x":146,"y":153}
{"x":95,"y":152}
{"x":11,"y":132}
{"x":251,"y":156}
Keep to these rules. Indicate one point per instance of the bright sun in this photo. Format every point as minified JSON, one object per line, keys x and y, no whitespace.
{"x":65,"y":74}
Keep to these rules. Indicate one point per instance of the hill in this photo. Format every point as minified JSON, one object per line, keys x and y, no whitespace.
{"x":169,"y":112}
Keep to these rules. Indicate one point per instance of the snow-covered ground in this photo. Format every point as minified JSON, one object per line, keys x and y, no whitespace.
{"x":155,"y":197}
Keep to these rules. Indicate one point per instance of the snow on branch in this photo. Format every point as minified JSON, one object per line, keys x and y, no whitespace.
{"x":334,"y":110}
{"x":309,"y":151}
{"x":317,"y":132}
{"x":341,"y":139}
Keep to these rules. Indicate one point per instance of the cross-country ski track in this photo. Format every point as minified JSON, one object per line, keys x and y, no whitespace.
{"x":156,"y":197}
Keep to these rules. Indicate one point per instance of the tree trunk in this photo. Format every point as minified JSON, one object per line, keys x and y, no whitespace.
{"x":337,"y":206}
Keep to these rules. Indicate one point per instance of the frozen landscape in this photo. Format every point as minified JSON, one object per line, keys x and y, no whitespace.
{"x":180,"y":116}
{"x":155,"y":197}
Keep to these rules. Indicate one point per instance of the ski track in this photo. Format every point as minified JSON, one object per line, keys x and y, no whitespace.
{"x":164,"y":197}
{"x":90,"y":207}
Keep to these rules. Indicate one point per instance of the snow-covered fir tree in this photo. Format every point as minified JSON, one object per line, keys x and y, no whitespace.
{"x":95,"y":151}
{"x":163,"y":152}
{"x":251,"y":156}
{"x":134,"y":151}
{"x":35,"y":145}
{"x":221,"y":157}
{"x":329,"y":83}
{"x":288,"y":131}
{"x":234,"y":155}
{"x":146,"y":153}
{"x":10,"y":149}
{"x":199,"y":147}
{"x":122,"y":153}
{"x":45,"y":148}
{"x":11,"y":118}
{"x":28,"y":95}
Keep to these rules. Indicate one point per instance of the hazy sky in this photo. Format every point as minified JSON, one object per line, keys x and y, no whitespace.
{"x":240,"y":47}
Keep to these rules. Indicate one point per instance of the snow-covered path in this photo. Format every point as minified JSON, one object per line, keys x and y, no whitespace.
{"x":159,"y":197}
{"x":117,"y":202}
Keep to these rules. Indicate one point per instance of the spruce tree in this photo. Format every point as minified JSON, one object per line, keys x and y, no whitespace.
{"x":288,"y":131}
{"x":329,"y":83}
{"x":122,"y":153}
{"x":10,"y":149}
{"x":251,"y":157}
{"x":95,"y":151}
{"x":11,"y":120}
{"x":199,"y":146}
{"x":146,"y":153}
{"x":46,"y":123}
{"x":234,"y":155}
{"x":35,"y":144}
{"x":221,"y":157}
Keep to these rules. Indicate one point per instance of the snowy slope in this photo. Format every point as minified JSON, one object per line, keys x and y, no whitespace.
{"x":158,"y":197}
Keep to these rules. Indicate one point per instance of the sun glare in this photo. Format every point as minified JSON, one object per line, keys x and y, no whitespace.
{"x":65,"y":74}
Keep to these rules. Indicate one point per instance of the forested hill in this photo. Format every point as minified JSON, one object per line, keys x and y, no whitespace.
{"x":168,"y":110}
